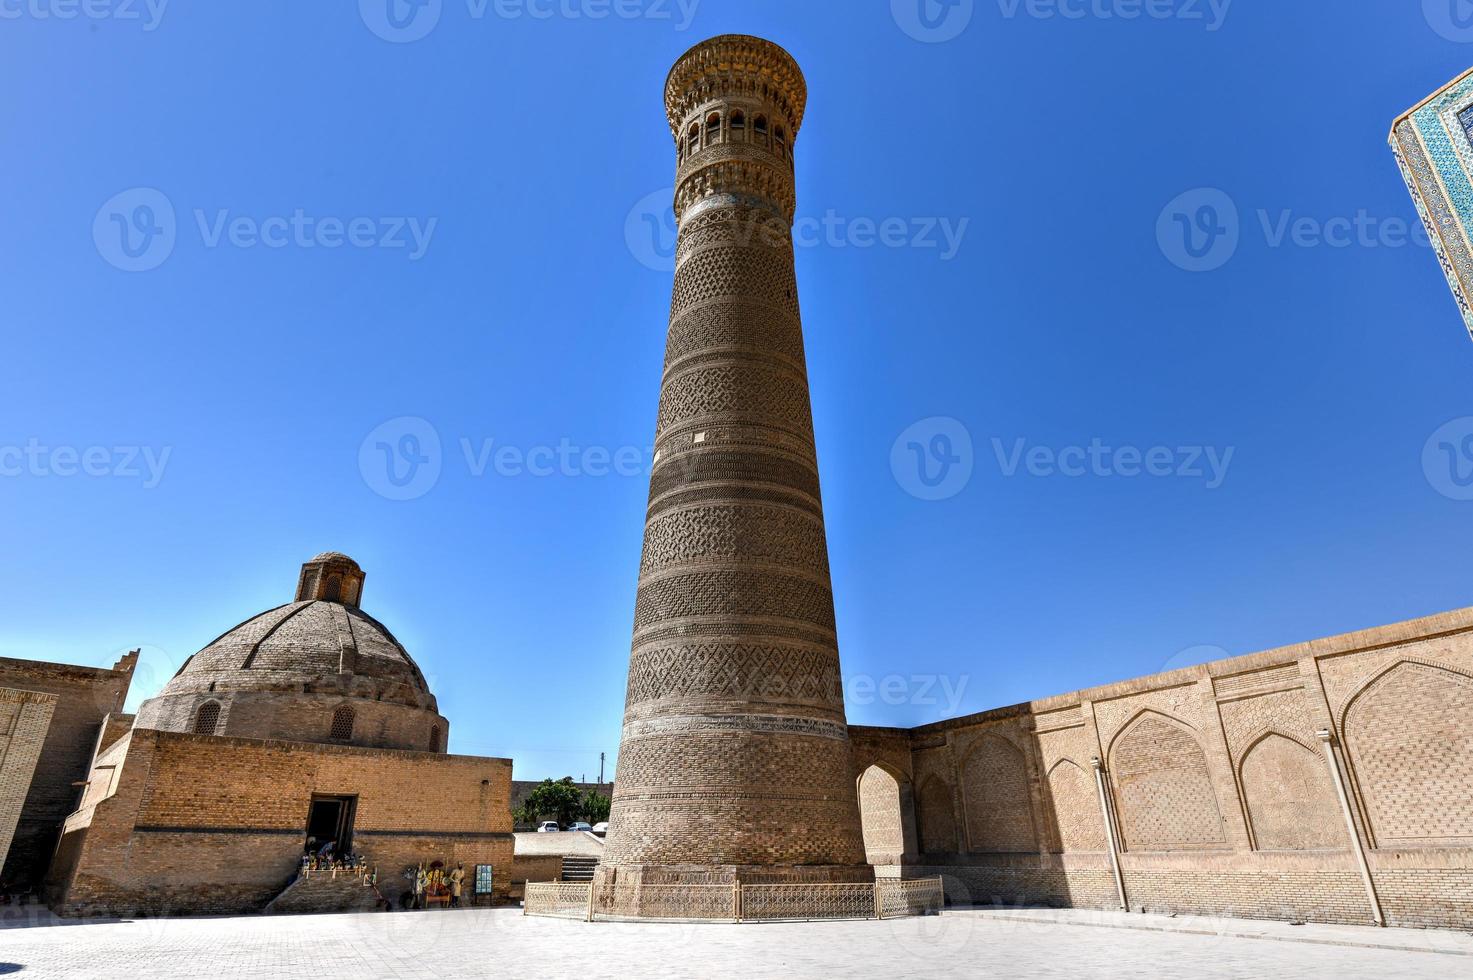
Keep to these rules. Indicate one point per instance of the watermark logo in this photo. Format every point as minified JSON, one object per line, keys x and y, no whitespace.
{"x":400,"y":21}
{"x":1206,"y":463}
{"x":941,"y":691}
{"x":933,"y":459}
{"x":650,"y":231}
{"x":135,"y":230}
{"x":1210,"y":13}
{"x":1193,"y":656}
{"x":401,"y":459}
{"x":1451,"y":19}
{"x":148,"y":13}
{"x":145,"y":464}
{"x":932,"y":21}
{"x":405,"y":21}
{"x":833,"y":230}
{"x":1447,"y":459}
{"x":1198,"y":231}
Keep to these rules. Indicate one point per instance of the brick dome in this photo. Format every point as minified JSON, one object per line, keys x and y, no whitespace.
{"x":318,"y":669}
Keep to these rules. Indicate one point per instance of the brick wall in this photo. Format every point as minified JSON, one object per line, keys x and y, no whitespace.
{"x":176,"y":822}
{"x":1218,"y":785}
{"x":84,"y":697}
{"x":25,"y":717}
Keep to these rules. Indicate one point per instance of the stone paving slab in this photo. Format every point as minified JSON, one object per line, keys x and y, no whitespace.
{"x":503,"y":943}
{"x":1368,"y":937}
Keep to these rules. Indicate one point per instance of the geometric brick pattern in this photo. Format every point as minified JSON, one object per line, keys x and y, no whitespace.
{"x":1410,"y":737}
{"x":1075,"y":804}
{"x":1289,"y":796}
{"x":998,"y":804}
{"x":879,"y":802}
{"x":734,"y":759}
{"x":935,"y":821}
{"x":1163,"y":787}
{"x":24,"y":718}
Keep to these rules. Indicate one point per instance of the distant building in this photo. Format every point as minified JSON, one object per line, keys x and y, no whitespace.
{"x":306,"y":724}
{"x":1433,"y":143}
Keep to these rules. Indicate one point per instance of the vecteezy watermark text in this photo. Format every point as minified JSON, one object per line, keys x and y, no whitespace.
{"x":147,"y":13}
{"x":144,"y":463}
{"x":921,"y":690}
{"x":402,"y":459}
{"x":404,"y":21}
{"x":1200,"y":230}
{"x":1207,"y":463}
{"x":651,"y":232}
{"x":138,"y":229}
{"x":1210,"y":13}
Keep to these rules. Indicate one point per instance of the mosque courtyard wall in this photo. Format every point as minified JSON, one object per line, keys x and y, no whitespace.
{"x":1215,"y":784}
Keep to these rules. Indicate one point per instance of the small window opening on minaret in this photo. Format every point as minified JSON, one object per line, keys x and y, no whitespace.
{"x":759,"y":126}
{"x":738,"y":122}
{"x":713,"y":127}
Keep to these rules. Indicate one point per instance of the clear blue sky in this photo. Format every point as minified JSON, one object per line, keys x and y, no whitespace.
{"x":535,"y":315}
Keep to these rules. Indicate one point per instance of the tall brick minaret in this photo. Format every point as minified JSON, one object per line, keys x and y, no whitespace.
{"x":735,"y":758}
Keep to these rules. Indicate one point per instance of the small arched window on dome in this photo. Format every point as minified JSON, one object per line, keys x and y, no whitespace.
{"x":759,"y":128}
{"x":332,"y":590}
{"x":738,"y":124}
{"x":434,"y":738}
{"x":342,"y":724}
{"x":207,"y":718}
{"x":693,"y":139}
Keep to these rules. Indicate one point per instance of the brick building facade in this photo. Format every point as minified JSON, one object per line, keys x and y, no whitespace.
{"x":1216,"y":785}
{"x":305,"y":724}
{"x":25,"y":717}
{"x":176,"y":822}
{"x":84,"y":698}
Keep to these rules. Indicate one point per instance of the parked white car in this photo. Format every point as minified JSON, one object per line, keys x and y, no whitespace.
{"x":577,"y":825}
{"x":601,"y":828}
{"x":548,"y":827}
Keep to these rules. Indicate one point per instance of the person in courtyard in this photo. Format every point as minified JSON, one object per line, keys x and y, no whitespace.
{"x":456,"y":878}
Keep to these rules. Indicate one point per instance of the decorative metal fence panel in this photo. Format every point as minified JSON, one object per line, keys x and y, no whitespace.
{"x":640,"y":901}
{"x":885,"y":899}
{"x":840,"y":901}
{"x":565,"y":900}
{"x":921,"y":896}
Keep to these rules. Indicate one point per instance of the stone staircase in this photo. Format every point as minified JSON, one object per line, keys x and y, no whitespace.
{"x":579,"y":868}
{"x":324,"y":891}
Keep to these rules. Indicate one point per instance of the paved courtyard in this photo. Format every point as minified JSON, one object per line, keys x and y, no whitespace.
{"x":502,"y":943}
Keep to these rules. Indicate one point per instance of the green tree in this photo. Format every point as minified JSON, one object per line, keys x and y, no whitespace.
{"x":596,"y":806}
{"x":560,"y":801}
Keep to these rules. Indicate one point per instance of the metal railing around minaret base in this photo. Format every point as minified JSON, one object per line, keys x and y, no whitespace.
{"x":885,"y":899}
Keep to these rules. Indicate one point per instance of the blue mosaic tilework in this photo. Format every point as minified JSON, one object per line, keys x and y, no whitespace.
{"x":1434,"y":151}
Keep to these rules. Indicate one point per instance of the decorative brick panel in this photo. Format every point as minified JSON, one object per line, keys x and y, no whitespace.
{"x":1163,"y":787}
{"x":1411,"y":745}
{"x":1290,"y":798}
{"x":998,"y":806}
